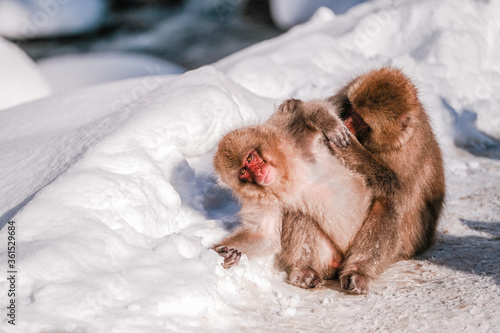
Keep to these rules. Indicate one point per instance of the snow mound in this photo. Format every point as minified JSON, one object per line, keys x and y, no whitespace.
{"x":50,"y":18}
{"x":21,"y":81}
{"x":69,"y":72}
{"x":115,"y":205}
{"x":135,"y":194}
{"x":41,"y":140}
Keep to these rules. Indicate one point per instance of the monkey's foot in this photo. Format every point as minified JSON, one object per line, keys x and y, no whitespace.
{"x":304,"y":278}
{"x":339,"y":135}
{"x":354,"y":283}
{"x":231,"y":256}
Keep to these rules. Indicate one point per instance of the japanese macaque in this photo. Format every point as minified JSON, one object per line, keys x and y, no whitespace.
{"x":400,"y":160}
{"x":353,"y":183}
{"x":297,"y":199}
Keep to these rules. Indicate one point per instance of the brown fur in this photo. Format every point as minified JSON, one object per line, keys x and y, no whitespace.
{"x":319,"y":214}
{"x":401,"y":162}
{"x":300,"y":217}
{"x":303,"y":241}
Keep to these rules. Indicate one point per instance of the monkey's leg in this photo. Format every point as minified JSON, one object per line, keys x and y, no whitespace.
{"x":373,"y":248}
{"x":307,"y":254}
{"x":297,"y":250}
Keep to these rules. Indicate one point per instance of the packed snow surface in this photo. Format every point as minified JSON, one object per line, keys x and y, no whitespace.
{"x":115,"y":204}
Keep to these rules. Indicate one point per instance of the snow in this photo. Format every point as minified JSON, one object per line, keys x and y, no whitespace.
{"x":286,"y":13}
{"x":22,"y":19}
{"x":113,"y":195}
{"x":72,"y":71}
{"x":21,"y":80}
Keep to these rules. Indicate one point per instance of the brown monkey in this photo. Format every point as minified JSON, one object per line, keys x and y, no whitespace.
{"x":298,"y":201}
{"x":393,"y":141}
{"x":398,"y":155}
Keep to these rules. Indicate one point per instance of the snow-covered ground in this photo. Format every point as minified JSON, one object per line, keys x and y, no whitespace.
{"x":114,"y":201}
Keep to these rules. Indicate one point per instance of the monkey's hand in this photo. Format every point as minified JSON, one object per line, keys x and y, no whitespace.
{"x":337,"y":133}
{"x":320,"y":116}
{"x":231,"y":256}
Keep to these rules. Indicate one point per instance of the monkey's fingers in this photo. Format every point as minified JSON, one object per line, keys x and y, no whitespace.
{"x":354,"y":283}
{"x":222,"y":250}
{"x":339,"y":136}
{"x":345,"y":137}
{"x":232,"y":258}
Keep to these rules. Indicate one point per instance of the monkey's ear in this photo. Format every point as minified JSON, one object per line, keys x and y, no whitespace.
{"x":405,"y":121}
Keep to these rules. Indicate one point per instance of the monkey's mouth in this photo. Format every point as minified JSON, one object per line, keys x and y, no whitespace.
{"x":267,"y":177}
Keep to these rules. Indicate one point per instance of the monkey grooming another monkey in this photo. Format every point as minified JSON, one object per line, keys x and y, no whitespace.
{"x":399,"y":157}
{"x":297,"y":199}
{"x":316,"y":215}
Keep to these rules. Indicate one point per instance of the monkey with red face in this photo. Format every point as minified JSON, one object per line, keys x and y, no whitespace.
{"x":322,"y":196}
{"x":288,"y":183}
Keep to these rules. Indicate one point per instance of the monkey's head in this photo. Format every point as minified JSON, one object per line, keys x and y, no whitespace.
{"x":387,"y":101}
{"x":251,"y":163}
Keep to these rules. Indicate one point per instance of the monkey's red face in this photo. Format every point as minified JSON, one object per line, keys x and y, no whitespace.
{"x":256,"y":170}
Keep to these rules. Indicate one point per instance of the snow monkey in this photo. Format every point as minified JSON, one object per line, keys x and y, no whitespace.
{"x":321,"y":198}
{"x":297,"y":199}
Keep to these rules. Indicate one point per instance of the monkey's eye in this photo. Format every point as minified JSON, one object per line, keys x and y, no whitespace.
{"x":243,"y":171}
{"x":249,"y":158}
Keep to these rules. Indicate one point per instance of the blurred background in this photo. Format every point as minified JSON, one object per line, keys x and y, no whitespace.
{"x":83,"y":42}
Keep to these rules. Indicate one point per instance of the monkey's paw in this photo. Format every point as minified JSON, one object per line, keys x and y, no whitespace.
{"x":304,"y":278}
{"x":354,"y":283}
{"x":231,"y":256}
{"x":339,"y":135}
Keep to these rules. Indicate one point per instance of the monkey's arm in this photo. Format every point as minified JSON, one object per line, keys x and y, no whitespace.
{"x":315,"y":115}
{"x":259,"y":235}
{"x":380,"y":178}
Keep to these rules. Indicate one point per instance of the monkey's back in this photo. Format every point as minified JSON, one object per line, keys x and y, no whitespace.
{"x":402,"y":138}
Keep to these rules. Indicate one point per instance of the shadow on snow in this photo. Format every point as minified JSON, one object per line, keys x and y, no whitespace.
{"x":471,"y":254}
